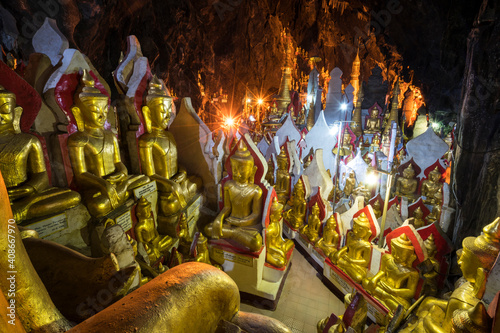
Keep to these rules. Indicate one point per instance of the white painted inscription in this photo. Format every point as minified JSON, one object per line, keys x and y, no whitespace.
{"x":125,"y":221}
{"x":51,"y":225}
{"x":145,"y":189}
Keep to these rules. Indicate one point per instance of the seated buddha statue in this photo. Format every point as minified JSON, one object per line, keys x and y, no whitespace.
{"x":375,"y":146}
{"x":431,"y":273}
{"x":240,"y":218}
{"x":277,"y":248}
{"x":354,"y":257}
{"x":23,"y":167}
{"x":330,"y":240}
{"x":476,"y":260}
{"x":282,"y":185}
{"x":311,"y":229}
{"x":202,"y":253}
{"x":372,"y":123}
{"x":146,"y":233}
{"x":295,"y":215}
{"x":185,"y":239}
{"x":396,"y":282}
{"x":418,"y":218}
{"x":95,"y":156}
{"x":435,"y":214}
{"x":431,"y":186}
{"x":350,"y":184}
{"x":347,"y":147}
{"x":377,"y":208}
{"x":270,"y":172}
{"x":406,"y":185}
{"x":158,"y":155}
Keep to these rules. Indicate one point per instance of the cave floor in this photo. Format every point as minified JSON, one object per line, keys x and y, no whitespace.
{"x":305,"y":299}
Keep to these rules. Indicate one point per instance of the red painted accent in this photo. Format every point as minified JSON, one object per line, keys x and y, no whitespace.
{"x":322,"y":208}
{"x":228,"y":246}
{"x":415,"y":205}
{"x":411,"y":233}
{"x":368,"y":210}
{"x":26,"y":96}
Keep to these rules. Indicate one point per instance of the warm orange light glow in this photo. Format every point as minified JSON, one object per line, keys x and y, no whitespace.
{"x":260,"y":101}
{"x":229,"y":122}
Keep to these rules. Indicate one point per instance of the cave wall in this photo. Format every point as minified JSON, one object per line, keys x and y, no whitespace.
{"x":476,"y":174}
{"x":237,"y":42}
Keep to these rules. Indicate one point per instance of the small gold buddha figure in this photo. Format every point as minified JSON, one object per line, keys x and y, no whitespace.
{"x":406,"y":185}
{"x":435,"y":214}
{"x":476,"y":260}
{"x":295,"y":215}
{"x":347,"y":147}
{"x":202,"y":253}
{"x":277,"y":248}
{"x":372,"y":123}
{"x":240,"y":218}
{"x":282,"y":185}
{"x":95,"y":155}
{"x":396,"y":282}
{"x":270,"y":172}
{"x":146,"y":233}
{"x":158,"y":155}
{"x":354,"y":257}
{"x":330,"y":241}
{"x":377,"y":208}
{"x":311,"y":229}
{"x":23,"y":167}
{"x":375,"y":146}
{"x":418,"y":218}
{"x":430,"y":287}
{"x":350,"y":184}
{"x":431,"y":186}
{"x":362,"y":191}
{"x":185,"y":239}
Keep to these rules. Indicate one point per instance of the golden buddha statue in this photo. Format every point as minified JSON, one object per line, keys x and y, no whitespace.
{"x":23,"y":167}
{"x":202,"y":254}
{"x":311,"y":229}
{"x":418,"y":218}
{"x":95,"y":155}
{"x":185,"y":239}
{"x":240,"y":218}
{"x":158,"y":155}
{"x":350,"y":184}
{"x":282,"y":185}
{"x":377,"y":208}
{"x":146,"y":233}
{"x":476,"y":259}
{"x":295,"y":215}
{"x":362,"y":191}
{"x":406,"y":185}
{"x":431,"y":186}
{"x":372,"y":123}
{"x":330,"y":241}
{"x":375,"y":146}
{"x":347,"y":147}
{"x":270,"y":172}
{"x":277,"y":248}
{"x":430,"y":287}
{"x":354,"y":257}
{"x":435,"y":214}
{"x":396,"y":282}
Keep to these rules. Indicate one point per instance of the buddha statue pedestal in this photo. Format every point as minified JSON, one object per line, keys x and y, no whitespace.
{"x":66,"y":228}
{"x":238,"y":231}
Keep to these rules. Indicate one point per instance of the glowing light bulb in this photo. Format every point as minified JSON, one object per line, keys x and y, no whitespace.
{"x":260,"y":101}
{"x":343,"y":106}
{"x":229,"y":122}
{"x":371,"y":178}
{"x":249,"y":100}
